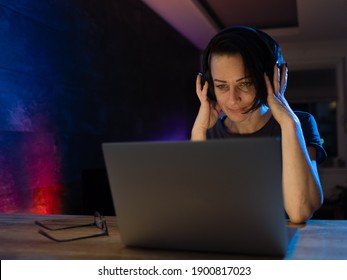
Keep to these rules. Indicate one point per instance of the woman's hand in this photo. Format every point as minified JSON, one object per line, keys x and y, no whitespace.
{"x":278,"y":104}
{"x":208,"y":113}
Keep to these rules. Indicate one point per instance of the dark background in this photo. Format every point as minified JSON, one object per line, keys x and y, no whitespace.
{"x":75,"y":74}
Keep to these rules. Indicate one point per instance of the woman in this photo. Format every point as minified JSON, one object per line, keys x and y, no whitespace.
{"x":243,"y":95}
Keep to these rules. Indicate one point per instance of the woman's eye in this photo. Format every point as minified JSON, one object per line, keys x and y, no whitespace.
{"x":222,"y":87}
{"x":245,"y":85}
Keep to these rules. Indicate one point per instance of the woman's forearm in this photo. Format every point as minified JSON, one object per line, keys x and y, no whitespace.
{"x":198,"y":134}
{"x":301,"y":185}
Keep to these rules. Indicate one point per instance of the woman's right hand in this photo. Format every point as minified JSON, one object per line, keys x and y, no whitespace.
{"x":208,"y":113}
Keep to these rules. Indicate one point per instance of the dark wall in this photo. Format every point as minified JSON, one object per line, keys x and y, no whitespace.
{"x":74,"y":74}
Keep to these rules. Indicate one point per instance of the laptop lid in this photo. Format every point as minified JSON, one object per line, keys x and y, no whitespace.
{"x":216,"y":195}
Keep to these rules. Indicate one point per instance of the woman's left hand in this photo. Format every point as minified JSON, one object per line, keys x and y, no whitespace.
{"x":278,"y":104}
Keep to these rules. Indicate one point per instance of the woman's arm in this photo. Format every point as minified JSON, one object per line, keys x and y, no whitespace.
{"x":302,"y":190}
{"x":301,"y":185}
{"x":208,"y":112}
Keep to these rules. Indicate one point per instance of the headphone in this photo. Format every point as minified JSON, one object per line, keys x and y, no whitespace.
{"x":262,"y":47}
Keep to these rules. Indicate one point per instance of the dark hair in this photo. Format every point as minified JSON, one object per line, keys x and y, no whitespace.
{"x":259,"y":53}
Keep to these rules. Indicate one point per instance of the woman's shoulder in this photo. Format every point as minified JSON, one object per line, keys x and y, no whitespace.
{"x":311,"y":134}
{"x":303,"y":115}
{"x":305,"y":118}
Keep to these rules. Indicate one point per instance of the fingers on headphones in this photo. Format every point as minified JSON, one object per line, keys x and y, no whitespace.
{"x":198,"y":82}
{"x":284,"y":77}
{"x":280,"y":78}
{"x":201,"y":86}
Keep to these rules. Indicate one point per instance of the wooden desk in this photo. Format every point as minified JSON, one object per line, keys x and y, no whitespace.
{"x":318,"y":239}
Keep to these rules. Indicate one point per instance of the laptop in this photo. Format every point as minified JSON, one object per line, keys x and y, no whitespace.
{"x":222,"y":196}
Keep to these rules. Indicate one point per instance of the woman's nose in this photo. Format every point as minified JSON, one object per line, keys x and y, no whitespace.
{"x":234,"y":96}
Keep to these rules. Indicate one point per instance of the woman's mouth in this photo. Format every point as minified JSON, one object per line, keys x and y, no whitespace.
{"x":236,"y":110}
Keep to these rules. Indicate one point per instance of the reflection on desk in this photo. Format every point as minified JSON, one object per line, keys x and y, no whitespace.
{"x":318,"y":239}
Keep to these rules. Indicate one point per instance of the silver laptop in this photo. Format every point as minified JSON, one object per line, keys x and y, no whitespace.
{"x":220,"y":196}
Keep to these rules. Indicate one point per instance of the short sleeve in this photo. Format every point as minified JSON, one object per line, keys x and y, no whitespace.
{"x":311,"y":135}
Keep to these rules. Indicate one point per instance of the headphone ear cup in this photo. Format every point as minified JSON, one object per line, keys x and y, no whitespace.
{"x":210,"y":93}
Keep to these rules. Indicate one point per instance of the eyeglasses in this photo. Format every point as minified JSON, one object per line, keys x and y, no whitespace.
{"x":99,"y":222}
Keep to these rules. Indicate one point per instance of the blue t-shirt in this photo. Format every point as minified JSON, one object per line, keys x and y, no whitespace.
{"x":273,"y":129}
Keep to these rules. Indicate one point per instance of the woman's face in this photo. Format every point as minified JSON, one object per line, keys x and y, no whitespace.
{"x":234,"y":89}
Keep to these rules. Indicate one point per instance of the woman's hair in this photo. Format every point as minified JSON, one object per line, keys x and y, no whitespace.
{"x":259,"y":53}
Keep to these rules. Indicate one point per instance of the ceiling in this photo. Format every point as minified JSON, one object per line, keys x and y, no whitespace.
{"x":285,"y":20}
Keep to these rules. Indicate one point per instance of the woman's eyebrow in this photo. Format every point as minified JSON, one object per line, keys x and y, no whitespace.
{"x":238,"y":80}
{"x":221,"y":81}
{"x":244,"y":78}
